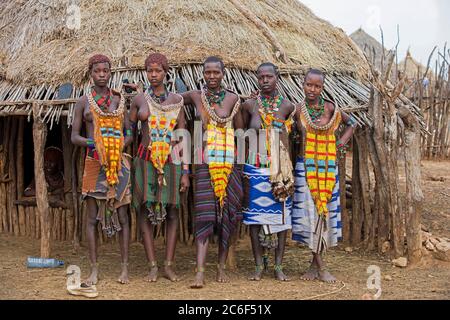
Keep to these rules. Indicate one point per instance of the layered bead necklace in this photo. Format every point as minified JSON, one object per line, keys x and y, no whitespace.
{"x":103,"y":102}
{"x":271,"y":104}
{"x":159,"y":99}
{"x":215,"y":98}
{"x":314,"y":112}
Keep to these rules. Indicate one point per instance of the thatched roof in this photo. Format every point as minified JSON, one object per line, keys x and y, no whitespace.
{"x":42,"y":52}
{"x":41,"y":48}
{"x":413,"y":69}
{"x":372,"y":48}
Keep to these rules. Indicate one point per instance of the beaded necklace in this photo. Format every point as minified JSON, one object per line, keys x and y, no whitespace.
{"x":270,"y":104}
{"x":220,"y":149}
{"x":215,"y":98}
{"x":212,"y":113}
{"x":161,"y":98}
{"x":102,"y":101}
{"x":316,"y":113}
{"x":108,"y":137}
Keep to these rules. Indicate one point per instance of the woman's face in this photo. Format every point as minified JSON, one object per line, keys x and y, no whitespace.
{"x":156,"y":74}
{"x":313,"y":86}
{"x":101,"y":73}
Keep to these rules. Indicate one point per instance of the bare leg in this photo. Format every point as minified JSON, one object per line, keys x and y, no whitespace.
{"x":91,"y":235}
{"x":313,"y":271}
{"x":257,"y":252}
{"x":279,"y":253}
{"x":149,"y":246}
{"x":223,"y":254}
{"x":324,"y":275}
{"x":171,"y":236}
{"x":124,"y":240}
{"x":202,"y":249}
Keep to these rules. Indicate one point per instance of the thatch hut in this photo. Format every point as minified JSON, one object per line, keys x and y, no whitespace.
{"x":44,"y":47}
{"x":372,"y":48}
{"x":414,"y":69}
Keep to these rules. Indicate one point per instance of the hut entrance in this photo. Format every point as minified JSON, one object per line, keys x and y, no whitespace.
{"x":53,"y":166}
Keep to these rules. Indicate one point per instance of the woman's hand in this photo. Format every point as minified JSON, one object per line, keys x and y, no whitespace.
{"x":184,"y":183}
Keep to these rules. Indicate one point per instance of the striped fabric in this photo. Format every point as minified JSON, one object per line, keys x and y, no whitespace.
{"x":260,"y":206}
{"x":207,"y":209}
{"x":145,"y":186}
{"x":318,"y":232}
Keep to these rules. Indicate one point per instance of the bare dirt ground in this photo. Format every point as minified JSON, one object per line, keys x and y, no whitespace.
{"x":429,"y":280}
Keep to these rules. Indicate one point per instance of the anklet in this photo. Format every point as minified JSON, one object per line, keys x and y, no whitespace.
{"x":200,"y":269}
{"x":153,"y":264}
{"x":221,"y":266}
{"x":168,"y":263}
{"x":278,"y":267}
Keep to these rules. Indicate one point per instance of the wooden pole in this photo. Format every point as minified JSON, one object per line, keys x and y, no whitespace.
{"x":68,"y":215}
{"x":4,"y":227}
{"x":53,"y":224}
{"x":39,"y":138}
{"x":76,"y":206}
{"x":20,"y":174}
{"x":33,"y":223}
{"x":3,"y":151}
{"x":37,"y":220}
{"x":414,"y":195}
{"x":356,"y":197}
{"x":364,"y":182}
{"x":5,"y":174}
{"x":12,"y":186}
{"x":63,"y":224}
{"x":27,"y":222}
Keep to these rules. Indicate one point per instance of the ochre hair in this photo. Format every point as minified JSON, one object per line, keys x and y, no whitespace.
{"x":157,"y":58}
{"x":98,"y":58}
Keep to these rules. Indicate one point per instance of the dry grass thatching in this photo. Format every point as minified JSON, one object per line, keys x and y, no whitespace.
{"x":371,"y":47}
{"x":40,"y":48}
{"x":414,"y":69}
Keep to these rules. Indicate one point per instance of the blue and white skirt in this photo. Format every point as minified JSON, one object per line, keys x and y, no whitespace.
{"x":307,"y":228}
{"x":260,"y":206}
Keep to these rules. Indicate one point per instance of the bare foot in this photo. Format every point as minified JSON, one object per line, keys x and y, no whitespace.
{"x":280,"y":276}
{"x":257,"y":276}
{"x":170,"y":274}
{"x":123,"y":278}
{"x":327,"y":277}
{"x":199,"y":281}
{"x":310,"y":275}
{"x":93,"y":278}
{"x":153,"y":275}
{"x":221,"y":275}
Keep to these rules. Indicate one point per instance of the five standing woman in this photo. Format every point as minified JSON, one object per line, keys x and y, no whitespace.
{"x":277,"y":196}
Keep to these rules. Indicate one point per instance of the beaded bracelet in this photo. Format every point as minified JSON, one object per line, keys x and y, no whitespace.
{"x":128,"y":133}
{"x":342,"y":148}
{"x":90,"y":143}
{"x":187,"y":171}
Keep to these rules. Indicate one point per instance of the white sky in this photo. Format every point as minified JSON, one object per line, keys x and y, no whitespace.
{"x":423,"y":23}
